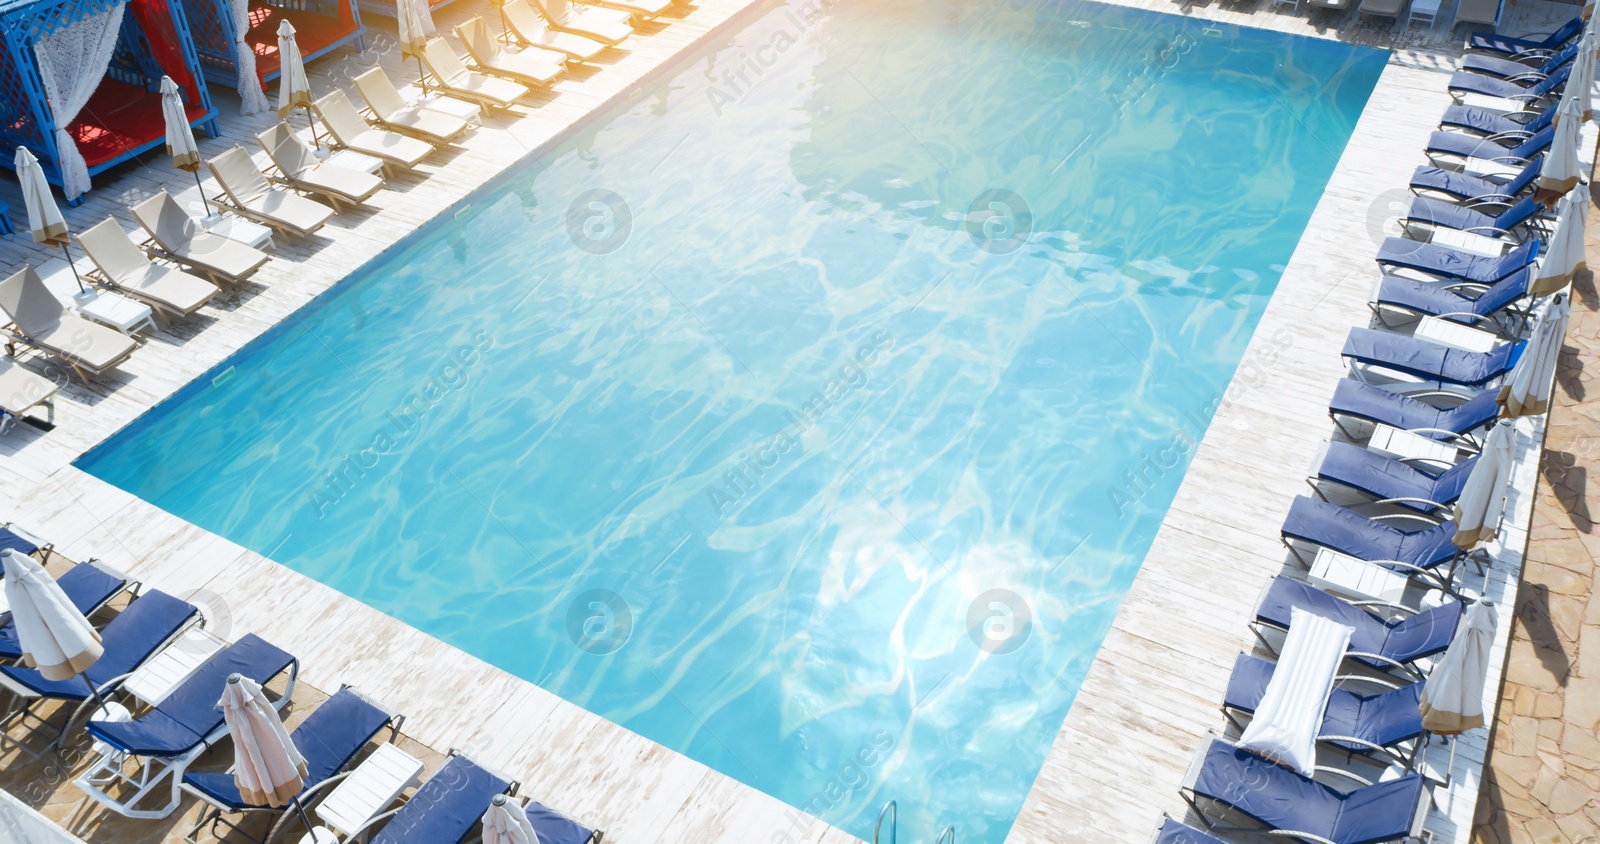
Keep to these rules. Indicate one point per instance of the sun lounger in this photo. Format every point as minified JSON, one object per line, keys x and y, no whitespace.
{"x":14,"y":537}
{"x":1389,"y":644}
{"x":301,"y":170}
{"x":1529,"y":87}
{"x":162,"y":742}
{"x":247,"y":191}
{"x":1506,"y":68}
{"x":177,"y":237}
{"x":1489,"y":218}
{"x":1426,"y":360}
{"x":1508,"y":46}
{"x":534,"y":67}
{"x":530,"y":30}
{"x":391,"y":111}
{"x":125,"y":269}
{"x":639,"y":9}
{"x":1510,"y":147}
{"x":1446,"y":263}
{"x":1173,"y":831}
{"x":329,"y":739}
{"x":608,"y":26}
{"x":1322,"y":525}
{"x":1380,"y":724}
{"x":89,"y":585}
{"x":1484,"y":121}
{"x":20,"y":392}
{"x":445,"y":808}
{"x":36,"y":319}
{"x":453,"y":78}
{"x":552,"y":827}
{"x":1353,"y":399}
{"x":349,"y":131}
{"x":1383,"y":8}
{"x":1460,"y":185}
{"x":1290,"y":806}
{"x":1466,"y":302}
{"x":1387,"y":480}
{"x":149,"y":623}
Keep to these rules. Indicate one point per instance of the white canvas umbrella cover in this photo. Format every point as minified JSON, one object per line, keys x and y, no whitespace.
{"x":267,"y":767}
{"x":54,"y":637}
{"x":506,"y":822}
{"x":1564,"y":254}
{"x":1527,"y":390}
{"x":251,"y":98}
{"x":1483,"y":499}
{"x":1452,"y":700}
{"x":44,"y":218}
{"x":415,"y":23}
{"x":1562,"y":169}
{"x":180,"y":138}
{"x":294,"y":90}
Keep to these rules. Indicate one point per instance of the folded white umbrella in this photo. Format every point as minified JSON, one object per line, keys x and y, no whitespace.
{"x":415,"y":24}
{"x":1564,"y":254}
{"x":53,"y":636}
{"x":1452,"y":700}
{"x":1562,"y":169}
{"x":506,"y":822}
{"x":1483,"y":499}
{"x":1527,"y":390}
{"x":267,"y":767}
{"x":1287,"y":721}
{"x":44,"y":218}
{"x":180,"y":138}
{"x":294,"y":90}
{"x":1583,"y":67}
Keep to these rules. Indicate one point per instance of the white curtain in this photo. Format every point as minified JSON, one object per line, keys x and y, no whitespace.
{"x":72,"y":61}
{"x":252,"y":100}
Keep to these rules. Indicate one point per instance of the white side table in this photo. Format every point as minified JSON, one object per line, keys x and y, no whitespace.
{"x":435,"y":101}
{"x":1404,"y":445}
{"x":378,"y":781}
{"x":109,"y":309}
{"x":1485,"y":168}
{"x":1351,"y":578}
{"x":237,"y":229}
{"x":355,"y":161}
{"x":1456,"y":335}
{"x":166,"y":671}
{"x":1477,"y":244}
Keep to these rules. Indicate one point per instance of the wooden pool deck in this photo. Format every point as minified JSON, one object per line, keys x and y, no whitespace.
{"x":1154,"y":688}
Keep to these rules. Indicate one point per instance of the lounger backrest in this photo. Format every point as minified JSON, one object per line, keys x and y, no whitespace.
{"x":1528,"y":174}
{"x":238,"y":176}
{"x":1560,"y":57}
{"x":446,"y":807}
{"x":113,"y":252}
{"x":442,"y":61}
{"x":136,"y":633}
{"x":382,"y":97}
{"x":524,"y":21}
{"x":27,"y":303}
{"x":481,"y":46}
{"x":341,"y":118}
{"x":165,"y":221}
{"x":332,"y":735}
{"x":194,"y":704}
{"x":556,"y":11}
{"x":290,"y":153}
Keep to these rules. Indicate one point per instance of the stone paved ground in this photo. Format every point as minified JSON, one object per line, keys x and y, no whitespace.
{"x":1543,"y":785}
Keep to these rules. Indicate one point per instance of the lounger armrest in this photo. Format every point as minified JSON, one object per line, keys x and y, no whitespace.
{"x":1386,"y":661}
{"x":1303,"y":836}
{"x":1513,"y":135}
{"x":1432,"y":522}
{"x":1530,"y":76}
{"x":1425,"y":462}
{"x":1400,"y":609}
{"x":1358,"y":742}
{"x":1497,"y":198}
{"x":1340,"y":772}
{"x":1480,"y":202}
{"x":1409,"y":500}
{"x":1343,"y":679}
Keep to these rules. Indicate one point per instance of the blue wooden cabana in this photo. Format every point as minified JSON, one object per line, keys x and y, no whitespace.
{"x":321,"y":26}
{"x":123,"y":117}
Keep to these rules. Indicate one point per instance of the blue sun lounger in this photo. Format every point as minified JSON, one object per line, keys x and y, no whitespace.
{"x":552,"y":827}
{"x":14,"y":538}
{"x":1528,"y":87}
{"x":1380,"y":643}
{"x":166,"y":739}
{"x":1437,"y":261}
{"x":1379,"y":724}
{"x":1416,"y":553}
{"x":1353,"y":399}
{"x":1506,"y":68}
{"x":149,"y":623}
{"x":1174,"y":831}
{"x":1385,"y":479}
{"x":329,"y":739}
{"x":1426,"y":360}
{"x":1280,"y":799}
{"x":445,"y":808}
{"x":1453,"y":183}
{"x":1508,"y":147}
{"x":89,"y":585}
{"x":1489,"y":218}
{"x":1466,"y":302}
{"x":1507,"y":46}
{"x":1483,"y":121}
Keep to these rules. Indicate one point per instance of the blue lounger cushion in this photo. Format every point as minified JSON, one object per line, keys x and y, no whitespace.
{"x":1438,"y":212}
{"x":1384,"y":477}
{"x":1422,"y":635}
{"x":1465,"y":186}
{"x":328,"y":739}
{"x":1445,"y":262}
{"x":1355,"y":535}
{"x":1384,"y":719}
{"x":129,"y":640}
{"x":1279,"y":798}
{"x":190,"y":713}
{"x":1486,"y":121}
{"x":86,"y":585}
{"x":10,"y":540}
{"x":1177,"y":832}
{"x":1509,"y":46}
{"x":1472,"y":146}
{"x":1438,"y":299}
{"x":1491,"y":86}
{"x":1503,"y":67}
{"x":1375,"y":404}
{"x":1429,"y":360}
{"x":552,"y":827}
{"x":446,"y":807}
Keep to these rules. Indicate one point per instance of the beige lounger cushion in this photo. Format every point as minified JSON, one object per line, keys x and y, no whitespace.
{"x":607,"y":25}
{"x":172,"y":230}
{"x":344,"y":123}
{"x":39,"y":318}
{"x":533,"y":66}
{"x":392,"y":110}
{"x":529,"y":28}
{"x":120,"y":260}
{"x":1383,"y":8}
{"x":302,"y":169}
{"x":249,"y":191}
{"x":21,"y":390}
{"x":455,"y":79}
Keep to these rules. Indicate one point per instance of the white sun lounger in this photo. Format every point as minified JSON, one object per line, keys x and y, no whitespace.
{"x":391,"y":111}
{"x":247,"y":191}
{"x":641,"y":9}
{"x":20,"y":392}
{"x":302,"y":171}
{"x":349,"y":131}
{"x":453,"y":78}
{"x":176,"y":236}
{"x":607,"y":26}
{"x":529,"y":29}
{"x":533,"y":67}
{"x":36,"y":319}
{"x":124,"y":268}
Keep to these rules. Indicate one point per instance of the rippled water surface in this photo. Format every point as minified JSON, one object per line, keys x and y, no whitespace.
{"x":873,"y":333}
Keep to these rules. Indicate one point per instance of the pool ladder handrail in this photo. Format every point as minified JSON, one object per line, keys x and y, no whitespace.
{"x":947,"y":835}
{"x":893,"y":812}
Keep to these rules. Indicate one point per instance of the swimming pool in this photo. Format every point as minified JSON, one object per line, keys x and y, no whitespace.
{"x":811,"y":413}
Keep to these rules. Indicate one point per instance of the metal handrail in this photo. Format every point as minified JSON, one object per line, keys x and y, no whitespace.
{"x":947,"y":835}
{"x":893,"y":812}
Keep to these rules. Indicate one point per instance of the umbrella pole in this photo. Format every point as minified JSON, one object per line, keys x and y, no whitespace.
{"x":203,"y":203}
{"x":67,"y":252}
{"x":422,"y":77}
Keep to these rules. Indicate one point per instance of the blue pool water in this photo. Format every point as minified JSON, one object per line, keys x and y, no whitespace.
{"x":872,"y":333}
